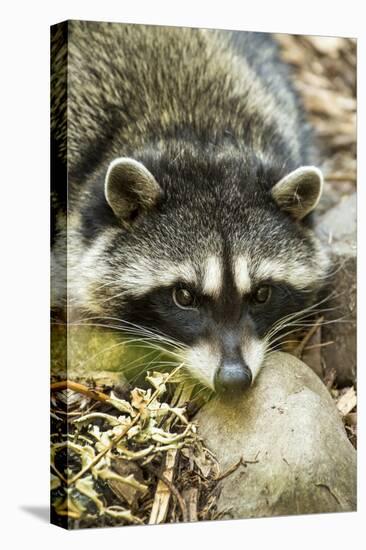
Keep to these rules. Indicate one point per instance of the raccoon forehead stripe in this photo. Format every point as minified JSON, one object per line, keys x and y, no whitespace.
{"x":142,"y":277}
{"x":241,"y":274}
{"x":212,"y":276}
{"x":294,"y":272}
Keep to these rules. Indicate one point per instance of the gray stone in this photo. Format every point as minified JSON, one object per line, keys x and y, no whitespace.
{"x":288,"y":429}
{"x":337,"y":229}
{"x":333,"y":195}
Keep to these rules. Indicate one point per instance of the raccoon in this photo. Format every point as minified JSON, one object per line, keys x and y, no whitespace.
{"x":191,"y":175}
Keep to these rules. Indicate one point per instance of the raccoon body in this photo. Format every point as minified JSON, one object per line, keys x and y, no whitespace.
{"x":190,"y":180}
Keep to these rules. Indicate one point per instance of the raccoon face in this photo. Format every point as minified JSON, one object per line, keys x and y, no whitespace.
{"x":210,"y":266}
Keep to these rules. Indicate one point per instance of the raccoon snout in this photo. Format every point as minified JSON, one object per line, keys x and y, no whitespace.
{"x":232,"y":377}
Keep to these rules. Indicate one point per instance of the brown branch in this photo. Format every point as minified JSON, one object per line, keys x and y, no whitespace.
{"x":300,"y":348}
{"x":232,"y":469}
{"x":79,"y":388}
{"x":322,"y":345}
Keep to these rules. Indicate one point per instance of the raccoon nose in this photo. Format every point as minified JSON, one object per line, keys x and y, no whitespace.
{"x":232,"y":378}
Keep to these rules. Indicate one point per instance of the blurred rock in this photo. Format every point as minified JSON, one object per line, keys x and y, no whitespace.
{"x":289,"y":431}
{"x":337,"y":229}
{"x":333,"y":194}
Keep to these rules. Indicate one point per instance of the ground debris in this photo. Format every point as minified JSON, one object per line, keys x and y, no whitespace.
{"x":324,"y":74}
{"x":347,"y":401}
{"x":306,"y":345}
{"x":124,"y":461}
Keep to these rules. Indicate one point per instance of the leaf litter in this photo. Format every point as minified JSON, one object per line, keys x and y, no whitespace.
{"x":119,"y":461}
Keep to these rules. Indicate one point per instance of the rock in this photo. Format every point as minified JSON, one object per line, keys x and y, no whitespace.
{"x":333,"y":195}
{"x":288,"y":429}
{"x":337,"y":229}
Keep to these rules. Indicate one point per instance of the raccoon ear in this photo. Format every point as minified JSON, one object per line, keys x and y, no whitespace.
{"x":299,"y":192}
{"x":130,"y":189}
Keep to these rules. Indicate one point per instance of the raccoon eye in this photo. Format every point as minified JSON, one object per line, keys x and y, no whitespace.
{"x":183,"y":298}
{"x":262,"y":294}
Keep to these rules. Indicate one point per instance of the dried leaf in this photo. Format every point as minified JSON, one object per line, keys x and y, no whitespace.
{"x":120,"y":513}
{"x":119,"y":480}
{"x":85,"y":420}
{"x":107,"y":474}
{"x":201,"y":459}
{"x":347,"y":402}
{"x":157,"y":380}
{"x":121,"y":405}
